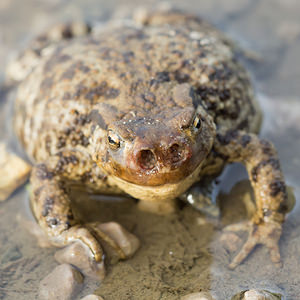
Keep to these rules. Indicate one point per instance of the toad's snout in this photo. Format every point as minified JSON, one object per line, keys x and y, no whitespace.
{"x":161,"y":157}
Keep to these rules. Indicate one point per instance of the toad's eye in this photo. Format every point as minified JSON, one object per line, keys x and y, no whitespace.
{"x":197,"y":122}
{"x":114,"y":140}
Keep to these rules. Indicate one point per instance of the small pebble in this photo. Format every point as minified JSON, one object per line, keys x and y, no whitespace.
{"x":128,"y":242}
{"x":92,"y":297}
{"x":63,"y":283}
{"x":13,"y":172}
{"x":78,"y":255}
{"x":256,"y":295}
{"x":197,"y":296}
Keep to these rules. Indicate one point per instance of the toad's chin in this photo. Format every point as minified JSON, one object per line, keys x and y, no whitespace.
{"x":165,"y":192}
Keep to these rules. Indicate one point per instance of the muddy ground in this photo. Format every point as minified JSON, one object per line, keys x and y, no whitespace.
{"x":181,"y":253}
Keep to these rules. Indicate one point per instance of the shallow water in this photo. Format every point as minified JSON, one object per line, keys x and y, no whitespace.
{"x":181,"y":253}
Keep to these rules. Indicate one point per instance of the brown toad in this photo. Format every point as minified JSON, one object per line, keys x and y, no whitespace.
{"x":144,"y":109}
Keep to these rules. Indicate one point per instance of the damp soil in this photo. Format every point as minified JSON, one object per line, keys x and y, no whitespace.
{"x":183,"y":252}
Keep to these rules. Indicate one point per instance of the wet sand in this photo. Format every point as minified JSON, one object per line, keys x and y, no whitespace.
{"x":180,"y":253}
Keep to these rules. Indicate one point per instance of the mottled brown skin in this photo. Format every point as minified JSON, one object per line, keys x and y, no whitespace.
{"x":146,"y":110}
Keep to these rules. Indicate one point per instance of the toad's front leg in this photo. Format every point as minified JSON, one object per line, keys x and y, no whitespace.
{"x":52,"y":206}
{"x":261,"y":161}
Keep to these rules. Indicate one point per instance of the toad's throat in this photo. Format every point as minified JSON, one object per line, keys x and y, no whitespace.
{"x":163,"y":192}
{"x":155,"y":177}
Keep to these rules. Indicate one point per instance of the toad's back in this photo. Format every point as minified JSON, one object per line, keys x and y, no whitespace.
{"x":101,"y":78}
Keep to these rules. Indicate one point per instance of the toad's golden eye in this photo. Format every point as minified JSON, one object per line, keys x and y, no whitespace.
{"x":114,"y":140}
{"x":197,"y":123}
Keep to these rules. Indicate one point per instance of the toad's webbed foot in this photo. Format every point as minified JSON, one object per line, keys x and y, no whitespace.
{"x":119,"y":239}
{"x":265,"y":233}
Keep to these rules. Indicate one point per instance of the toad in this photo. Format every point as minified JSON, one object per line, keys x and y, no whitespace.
{"x":144,"y":108}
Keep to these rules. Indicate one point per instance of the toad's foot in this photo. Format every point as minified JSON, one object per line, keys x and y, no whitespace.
{"x":266,"y":233}
{"x":83,"y":233}
{"x":120,"y":240}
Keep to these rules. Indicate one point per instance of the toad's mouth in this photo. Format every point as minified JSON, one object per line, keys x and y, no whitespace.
{"x":148,"y":167}
{"x":163,"y":192}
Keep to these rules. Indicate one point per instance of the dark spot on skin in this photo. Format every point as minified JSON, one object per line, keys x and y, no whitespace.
{"x":246,"y":139}
{"x":196,"y":99}
{"x":73,"y":159}
{"x":283,"y":207}
{"x":80,"y":90}
{"x":267,"y":212}
{"x":243,"y":125}
{"x":216,"y":154}
{"x":75,"y":67}
{"x":112,"y":93}
{"x":206,"y":92}
{"x":70,"y":215}
{"x":160,"y":77}
{"x":147,"y":100}
{"x":61,"y":142}
{"x":127,"y":56}
{"x":48,"y":204}
{"x":43,"y":173}
{"x":228,"y":137}
{"x":52,"y":222}
{"x":266,"y":147}
{"x":224,"y":94}
{"x":276,"y":187}
{"x":97,"y":119}
{"x":82,"y":120}
{"x":102,"y":90}
{"x":67,"y":32}
{"x":83,"y":68}
{"x":64,"y":161}
{"x":87,"y":177}
{"x":68,"y":131}
{"x":224,"y":73}
{"x":211,"y":106}
{"x":272,"y":161}
{"x":181,"y":77}
{"x":85,"y":141}
{"x":177,"y":53}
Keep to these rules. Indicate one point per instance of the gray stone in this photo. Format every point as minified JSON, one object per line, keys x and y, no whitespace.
{"x":128,"y":242}
{"x":197,"y":296}
{"x":92,"y":297}
{"x":257,"y":295}
{"x":63,"y":283}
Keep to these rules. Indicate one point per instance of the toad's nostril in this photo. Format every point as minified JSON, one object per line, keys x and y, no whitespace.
{"x":146,"y":159}
{"x":175,"y":153}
